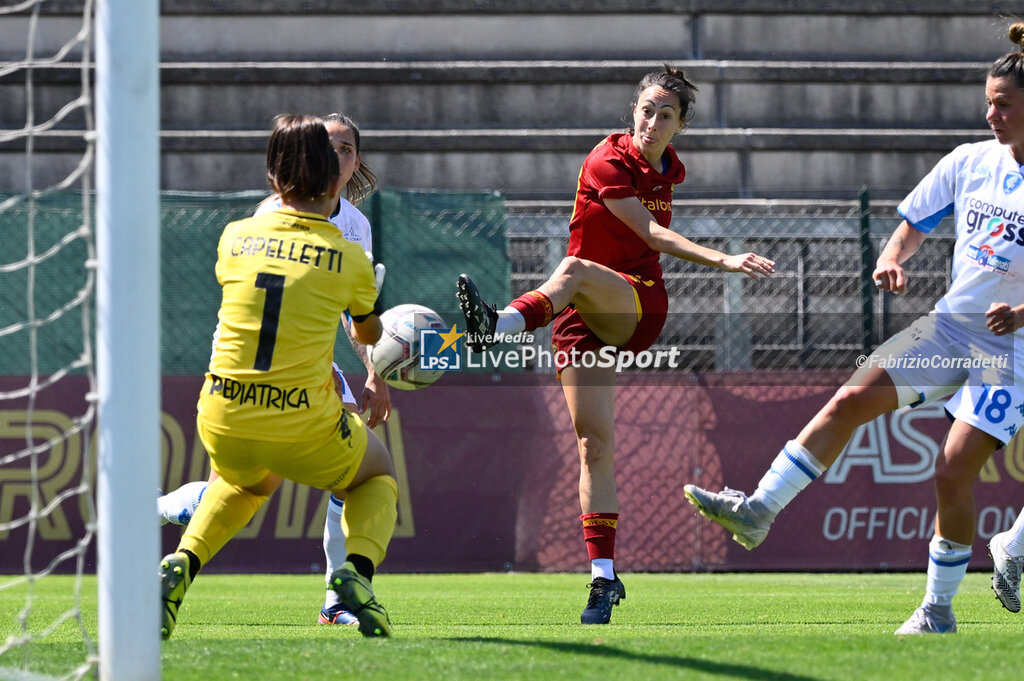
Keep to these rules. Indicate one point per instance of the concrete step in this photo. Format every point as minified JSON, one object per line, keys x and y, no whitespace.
{"x":947,"y":7}
{"x":660,"y":29}
{"x":536,"y":93}
{"x":274,"y":7}
{"x":525,"y":163}
{"x":467,"y":94}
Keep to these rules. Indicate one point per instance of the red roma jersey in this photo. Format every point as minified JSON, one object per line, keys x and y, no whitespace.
{"x":614,"y":170}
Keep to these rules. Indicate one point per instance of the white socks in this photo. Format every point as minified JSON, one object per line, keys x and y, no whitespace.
{"x":510,"y":321}
{"x":602,"y":567}
{"x":793,"y":469}
{"x":334,"y":545}
{"x":947,"y":565}
{"x":1015,"y":539}
{"x":178,"y":506}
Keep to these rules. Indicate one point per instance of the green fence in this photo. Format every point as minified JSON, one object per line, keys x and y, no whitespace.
{"x":45,"y":286}
{"x":425,"y":239}
{"x":818,"y":311}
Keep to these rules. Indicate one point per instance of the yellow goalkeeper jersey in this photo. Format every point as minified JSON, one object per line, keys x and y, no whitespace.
{"x":286,"y":279}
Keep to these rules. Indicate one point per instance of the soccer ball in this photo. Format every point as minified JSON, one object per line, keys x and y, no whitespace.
{"x":396,"y":356}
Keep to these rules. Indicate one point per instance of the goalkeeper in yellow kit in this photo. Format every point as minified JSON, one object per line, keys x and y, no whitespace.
{"x":268,"y":409}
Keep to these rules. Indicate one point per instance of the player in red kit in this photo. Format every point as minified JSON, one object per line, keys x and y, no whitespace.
{"x":609,"y":292}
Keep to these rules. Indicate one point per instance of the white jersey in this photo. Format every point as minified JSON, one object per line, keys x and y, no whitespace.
{"x":352,"y":223}
{"x":952,"y":349}
{"x":981,"y":185}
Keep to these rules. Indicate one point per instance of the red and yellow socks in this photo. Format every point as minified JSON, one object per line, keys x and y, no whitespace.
{"x":599,"y":534}
{"x":536,"y":309}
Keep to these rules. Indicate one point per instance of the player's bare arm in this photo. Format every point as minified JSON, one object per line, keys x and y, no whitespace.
{"x":1002,"y":318}
{"x":632,"y":212}
{"x":904,"y":242}
{"x":376,"y":398}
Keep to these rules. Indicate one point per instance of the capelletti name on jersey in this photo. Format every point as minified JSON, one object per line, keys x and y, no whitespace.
{"x":259,"y":394}
{"x":320,"y":257}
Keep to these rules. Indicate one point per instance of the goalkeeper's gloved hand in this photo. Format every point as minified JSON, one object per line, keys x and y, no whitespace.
{"x":378,"y":271}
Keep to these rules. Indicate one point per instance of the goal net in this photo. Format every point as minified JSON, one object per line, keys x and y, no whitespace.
{"x":68,"y":610}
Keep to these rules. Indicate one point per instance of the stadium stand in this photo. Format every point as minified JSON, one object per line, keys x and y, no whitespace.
{"x":798,"y":99}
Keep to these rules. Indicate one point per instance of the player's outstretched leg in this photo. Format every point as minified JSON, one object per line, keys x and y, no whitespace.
{"x":175,"y":579}
{"x":929,"y":619}
{"x":357,"y":595}
{"x":748,"y":520}
{"x":1006,"y":572}
{"x":481,"y":318}
{"x":604,"y":593}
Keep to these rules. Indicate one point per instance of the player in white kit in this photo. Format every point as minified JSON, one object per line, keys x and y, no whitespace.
{"x":971,"y":346}
{"x":375,"y":402}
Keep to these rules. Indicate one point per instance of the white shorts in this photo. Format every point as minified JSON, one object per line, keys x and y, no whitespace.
{"x":936,"y":357}
{"x":347,"y":396}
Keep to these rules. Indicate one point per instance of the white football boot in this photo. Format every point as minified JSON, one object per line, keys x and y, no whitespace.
{"x":749,"y":521}
{"x":1006,"y":571}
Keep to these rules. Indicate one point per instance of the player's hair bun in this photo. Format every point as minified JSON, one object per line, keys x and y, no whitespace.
{"x":1017,"y":34}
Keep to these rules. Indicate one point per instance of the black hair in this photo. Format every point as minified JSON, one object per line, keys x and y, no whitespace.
{"x":673,"y":80}
{"x":301,"y":163}
{"x":364,"y":180}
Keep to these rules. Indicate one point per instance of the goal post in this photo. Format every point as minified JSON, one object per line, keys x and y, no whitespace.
{"x":128,"y":342}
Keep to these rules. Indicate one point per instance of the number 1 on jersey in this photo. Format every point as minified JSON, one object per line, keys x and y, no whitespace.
{"x":274,"y":286}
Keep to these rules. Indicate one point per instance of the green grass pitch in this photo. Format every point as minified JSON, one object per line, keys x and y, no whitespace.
{"x":454,"y":627}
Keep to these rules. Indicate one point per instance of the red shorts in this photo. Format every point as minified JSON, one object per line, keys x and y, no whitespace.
{"x":570,"y":333}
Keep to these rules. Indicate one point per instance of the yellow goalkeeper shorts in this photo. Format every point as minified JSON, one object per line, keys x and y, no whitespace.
{"x":325,"y":464}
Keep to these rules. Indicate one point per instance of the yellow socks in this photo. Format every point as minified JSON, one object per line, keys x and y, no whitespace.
{"x":369,"y":517}
{"x":224,"y":510}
